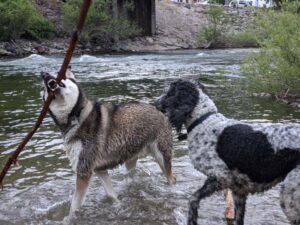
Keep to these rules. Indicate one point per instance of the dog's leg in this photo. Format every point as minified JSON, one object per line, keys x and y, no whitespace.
{"x":106,"y":182}
{"x":240,"y":207}
{"x":82,"y":183}
{"x":210,"y":186}
{"x":165,"y":164}
{"x":290,"y":196}
{"x":168,"y":167}
{"x":131,"y":163}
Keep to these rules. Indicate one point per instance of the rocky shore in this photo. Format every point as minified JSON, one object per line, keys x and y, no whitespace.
{"x":178,"y":27}
{"x":23,"y":47}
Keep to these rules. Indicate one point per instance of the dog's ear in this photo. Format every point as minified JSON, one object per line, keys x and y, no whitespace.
{"x":179,"y":115}
{"x":70,"y":74}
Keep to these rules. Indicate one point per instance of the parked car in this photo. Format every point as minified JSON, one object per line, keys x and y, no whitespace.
{"x":240,"y":3}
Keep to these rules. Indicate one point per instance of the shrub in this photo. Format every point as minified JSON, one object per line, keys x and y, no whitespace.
{"x":218,"y":25}
{"x":276,"y":68}
{"x":243,"y":39}
{"x":19,"y":19}
{"x":101,"y":27}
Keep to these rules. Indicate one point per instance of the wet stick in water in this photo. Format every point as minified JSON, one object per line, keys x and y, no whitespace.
{"x":61,"y":74}
{"x":229,"y":207}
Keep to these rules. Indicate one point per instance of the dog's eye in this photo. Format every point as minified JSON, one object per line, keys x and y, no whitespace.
{"x":61,"y":84}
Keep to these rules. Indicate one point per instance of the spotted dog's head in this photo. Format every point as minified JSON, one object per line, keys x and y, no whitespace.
{"x":179,"y":101}
{"x":66,"y":95}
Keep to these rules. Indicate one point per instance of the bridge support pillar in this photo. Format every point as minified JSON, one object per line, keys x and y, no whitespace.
{"x":143,"y":14}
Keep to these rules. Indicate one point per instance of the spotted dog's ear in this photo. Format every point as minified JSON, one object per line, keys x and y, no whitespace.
{"x":69,"y":74}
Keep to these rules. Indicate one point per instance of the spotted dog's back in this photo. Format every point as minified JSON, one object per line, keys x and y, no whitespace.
{"x":263,"y":152}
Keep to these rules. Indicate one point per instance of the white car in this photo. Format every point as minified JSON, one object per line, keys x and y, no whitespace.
{"x":240,"y":3}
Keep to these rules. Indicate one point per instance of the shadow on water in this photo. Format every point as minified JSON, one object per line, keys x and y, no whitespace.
{"x":38,"y":191}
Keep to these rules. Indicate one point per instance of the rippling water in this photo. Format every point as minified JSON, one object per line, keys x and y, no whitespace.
{"x":39,"y":191}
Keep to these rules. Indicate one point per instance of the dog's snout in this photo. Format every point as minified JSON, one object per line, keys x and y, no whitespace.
{"x":158,"y":103}
{"x":52,"y":84}
{"x":49,"y":81}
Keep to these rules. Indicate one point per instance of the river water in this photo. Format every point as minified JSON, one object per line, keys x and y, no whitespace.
{"x":39,"y":190}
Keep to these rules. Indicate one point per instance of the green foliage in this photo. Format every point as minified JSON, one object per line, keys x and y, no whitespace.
{"x":218,"y":25}
{"x":291,"y":6}
{"x":242,"y":39}
{"x":19,"y":19}
{"x":276,"y":67}
{"x":101,"y":26}
{"x":279,"y":4}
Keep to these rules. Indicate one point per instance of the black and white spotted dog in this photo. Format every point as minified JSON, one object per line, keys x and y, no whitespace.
{"x":247,"y":158}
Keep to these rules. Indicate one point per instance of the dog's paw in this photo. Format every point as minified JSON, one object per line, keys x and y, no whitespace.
{"x":172,"y":179}
{"x":70,"y":219}
{"x":113,"y":196}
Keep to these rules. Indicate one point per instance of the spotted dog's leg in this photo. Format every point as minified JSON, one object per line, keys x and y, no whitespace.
{"x":82,"y":184}
{"x":210,"y":186}
{"x":290,"y":196}
{"x":240,"y":207}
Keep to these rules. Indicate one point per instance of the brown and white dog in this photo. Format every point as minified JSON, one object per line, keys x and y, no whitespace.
{"x":98,"y":137}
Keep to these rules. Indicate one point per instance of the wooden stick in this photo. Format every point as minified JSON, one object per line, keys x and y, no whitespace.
{"x":229,"y":207}
{"x":61,"y":75}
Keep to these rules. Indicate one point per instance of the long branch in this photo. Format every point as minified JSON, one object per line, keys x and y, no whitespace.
{"x":61,"y":75}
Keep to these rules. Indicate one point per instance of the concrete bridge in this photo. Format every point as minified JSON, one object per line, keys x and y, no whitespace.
{"x":143,"y":13}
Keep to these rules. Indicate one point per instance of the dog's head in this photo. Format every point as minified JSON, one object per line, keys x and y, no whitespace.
{"x":66,"y":94}
{"x":179,"y":101}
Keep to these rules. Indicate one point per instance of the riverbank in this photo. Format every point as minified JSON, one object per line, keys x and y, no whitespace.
{"x":177,"y":27}
{"x":21,"y":47}
{"x":292,"y":100}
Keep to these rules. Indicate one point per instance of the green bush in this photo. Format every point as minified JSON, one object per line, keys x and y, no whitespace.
{"x":242,"y":39}
{"x":101,"y":27}
{"x":19,"y":19}
{"x":218,"y":25}
{"x":276,"y":68}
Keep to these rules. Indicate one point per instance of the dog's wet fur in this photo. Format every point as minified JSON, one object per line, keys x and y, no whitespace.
{"x":245,"y":157}
{"x":98,"y":137}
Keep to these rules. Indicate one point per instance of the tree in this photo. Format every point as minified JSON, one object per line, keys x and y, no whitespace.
{"x":217,"y":27}
{"x":19,"y":19}
{"x":276,"y":68}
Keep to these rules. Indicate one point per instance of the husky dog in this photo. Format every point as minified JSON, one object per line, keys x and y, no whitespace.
{"x":244,"y":157}
{"x":98,"y":137}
